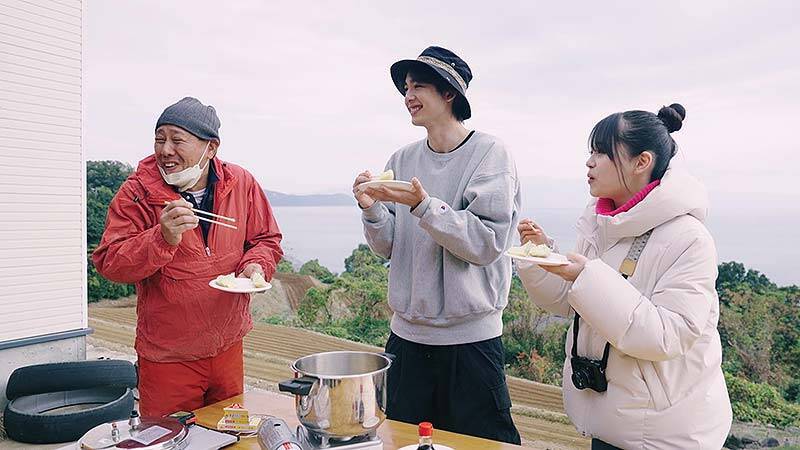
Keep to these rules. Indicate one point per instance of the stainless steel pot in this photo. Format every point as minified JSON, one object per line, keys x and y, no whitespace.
{"x":339,"y":395}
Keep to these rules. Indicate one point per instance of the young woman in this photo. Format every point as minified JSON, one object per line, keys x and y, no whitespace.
{"x":643,"y":354}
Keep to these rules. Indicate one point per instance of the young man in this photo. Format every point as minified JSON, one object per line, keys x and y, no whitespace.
{"x":188,"y":335}
{"x":448,"y":280}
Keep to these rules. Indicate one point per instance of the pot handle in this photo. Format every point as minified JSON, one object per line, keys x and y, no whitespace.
{"x":297,"y":386}
{"x":391,"y":356}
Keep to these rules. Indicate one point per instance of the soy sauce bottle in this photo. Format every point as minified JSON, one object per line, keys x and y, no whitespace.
{"x":425,"y":436}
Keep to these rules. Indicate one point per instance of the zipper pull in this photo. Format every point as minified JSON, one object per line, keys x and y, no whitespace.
{"x":208,"y":251}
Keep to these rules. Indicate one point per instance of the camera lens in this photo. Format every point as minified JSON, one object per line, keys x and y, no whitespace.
{"x":580,"y":379}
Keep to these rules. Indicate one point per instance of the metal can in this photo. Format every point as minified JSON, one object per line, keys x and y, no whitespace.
{"x":275,"y":434}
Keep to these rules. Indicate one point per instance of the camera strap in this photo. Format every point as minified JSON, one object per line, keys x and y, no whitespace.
{"x":628,"y":265}
{"x":626,"y":269}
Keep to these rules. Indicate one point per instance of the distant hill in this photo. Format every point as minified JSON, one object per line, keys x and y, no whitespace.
{"x":536,"y":193}
{"x":281,"y":199}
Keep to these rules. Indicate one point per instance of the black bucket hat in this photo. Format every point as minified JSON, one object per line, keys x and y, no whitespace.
{"x":445,"y":63}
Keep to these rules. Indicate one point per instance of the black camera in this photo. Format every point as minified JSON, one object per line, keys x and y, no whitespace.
{"x":588,"y":373}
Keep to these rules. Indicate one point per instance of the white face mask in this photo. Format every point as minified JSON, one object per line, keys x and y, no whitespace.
{"x":188,"y":177}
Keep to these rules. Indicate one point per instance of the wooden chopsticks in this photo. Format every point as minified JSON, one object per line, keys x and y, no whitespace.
{"x":200,"y":217}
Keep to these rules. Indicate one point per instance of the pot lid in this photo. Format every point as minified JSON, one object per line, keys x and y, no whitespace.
{"x":152,"y":433}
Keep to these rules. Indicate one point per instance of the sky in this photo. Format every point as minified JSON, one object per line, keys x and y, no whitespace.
{"x":304,"y":95}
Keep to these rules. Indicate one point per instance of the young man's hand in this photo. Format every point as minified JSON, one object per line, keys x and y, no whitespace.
{"x":364,"y":200}
{"x":410,"y":198}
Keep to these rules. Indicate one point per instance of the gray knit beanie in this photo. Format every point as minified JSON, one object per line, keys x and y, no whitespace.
{"x":192,"y":116}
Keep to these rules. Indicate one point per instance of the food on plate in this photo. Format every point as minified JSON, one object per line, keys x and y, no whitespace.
{"x":228,"y":281}
{"x":385,"y":176}
{"x":531,"y":249}
{"x":258,"y":280}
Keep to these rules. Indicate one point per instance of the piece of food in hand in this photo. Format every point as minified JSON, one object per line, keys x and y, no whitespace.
{"x":385,"y":176}
{"x":228,"y":281}
{"x":531,"y":249}
{"x":258,"y":280}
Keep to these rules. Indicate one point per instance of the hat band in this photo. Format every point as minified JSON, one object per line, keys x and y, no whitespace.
{"x":447,"y":68}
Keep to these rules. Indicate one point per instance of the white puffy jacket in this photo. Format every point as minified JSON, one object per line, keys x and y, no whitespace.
{"x":665,"y":384}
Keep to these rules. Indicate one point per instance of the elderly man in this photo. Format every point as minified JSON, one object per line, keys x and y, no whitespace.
{"x":188,"y":335}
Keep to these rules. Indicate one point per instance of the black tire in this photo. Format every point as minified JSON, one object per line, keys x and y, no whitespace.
{"x":27,"y":418}
{"x":68,"y":376}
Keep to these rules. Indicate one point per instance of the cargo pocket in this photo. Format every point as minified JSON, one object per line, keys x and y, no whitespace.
{"x":502,"y":399}
{"x":504,"y":429}
{"x":485,"y":360}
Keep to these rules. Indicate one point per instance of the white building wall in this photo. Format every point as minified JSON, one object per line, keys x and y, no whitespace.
{"x":42,"y":173}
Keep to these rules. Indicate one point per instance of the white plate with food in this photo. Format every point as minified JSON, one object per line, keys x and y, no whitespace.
{"x":391,"y":184}
{"x":230,"y":283}
{"x":538,"y":254}
{"x":386,"y":179}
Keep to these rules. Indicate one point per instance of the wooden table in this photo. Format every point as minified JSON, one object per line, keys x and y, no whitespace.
{"x":394,"y":434}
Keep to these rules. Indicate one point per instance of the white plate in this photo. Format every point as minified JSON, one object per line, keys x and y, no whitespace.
{"x":392,"y":184}
{"x":243,"y":286}
{"x":555,"y":259}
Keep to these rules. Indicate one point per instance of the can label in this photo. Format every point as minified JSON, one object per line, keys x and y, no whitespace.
{"x":275,"y":434}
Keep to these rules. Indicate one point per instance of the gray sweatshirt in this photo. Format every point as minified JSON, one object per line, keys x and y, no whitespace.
{"x":448,"y":278}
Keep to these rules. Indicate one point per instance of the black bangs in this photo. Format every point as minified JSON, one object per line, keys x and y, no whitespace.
{"x":605,"y":135}
{"x":426,"y":75}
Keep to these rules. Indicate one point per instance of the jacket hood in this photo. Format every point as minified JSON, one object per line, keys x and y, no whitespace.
{"x":678,"y":194}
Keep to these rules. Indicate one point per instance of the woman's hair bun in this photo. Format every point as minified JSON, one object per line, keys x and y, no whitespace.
{"x":672,"y":116}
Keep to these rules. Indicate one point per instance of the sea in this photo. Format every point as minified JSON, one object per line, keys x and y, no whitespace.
{"x":766,"y":241}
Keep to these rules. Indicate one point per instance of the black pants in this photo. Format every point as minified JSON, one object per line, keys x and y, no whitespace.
{"x":459,"y":388}
{"x":597,"y":444}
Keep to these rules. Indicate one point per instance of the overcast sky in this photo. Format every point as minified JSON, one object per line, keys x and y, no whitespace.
{"x":303,"y":90}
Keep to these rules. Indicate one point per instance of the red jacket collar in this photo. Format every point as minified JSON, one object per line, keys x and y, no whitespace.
{"x":157,"y":191}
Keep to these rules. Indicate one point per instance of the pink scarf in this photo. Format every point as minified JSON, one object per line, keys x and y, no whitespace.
{"x":605,"y":206}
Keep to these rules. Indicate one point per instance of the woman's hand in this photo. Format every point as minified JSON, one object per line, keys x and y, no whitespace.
{"x":571,"y":271}
{"x":530,"y":231}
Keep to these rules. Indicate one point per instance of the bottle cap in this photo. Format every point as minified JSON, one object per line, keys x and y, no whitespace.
{"x":426,"y":429}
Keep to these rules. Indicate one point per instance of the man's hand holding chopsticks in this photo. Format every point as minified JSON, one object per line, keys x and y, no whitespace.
{"x":176,"y":218}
